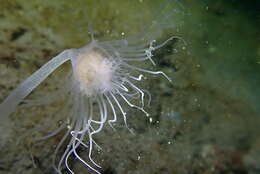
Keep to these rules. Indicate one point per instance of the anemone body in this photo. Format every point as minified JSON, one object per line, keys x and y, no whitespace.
{"x":100,"y":79}
{"x":93,"y":71}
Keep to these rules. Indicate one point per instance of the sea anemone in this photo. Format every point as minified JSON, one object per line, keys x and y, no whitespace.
{"x":101,"y":78}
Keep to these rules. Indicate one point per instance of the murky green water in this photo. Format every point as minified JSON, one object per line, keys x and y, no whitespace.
{"x":207,"y":121}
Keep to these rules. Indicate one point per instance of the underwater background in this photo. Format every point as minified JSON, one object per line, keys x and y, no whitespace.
{"x":206,"y":122}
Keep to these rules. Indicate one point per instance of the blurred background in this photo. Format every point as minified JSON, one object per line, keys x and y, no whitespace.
{"x":206,"y":122}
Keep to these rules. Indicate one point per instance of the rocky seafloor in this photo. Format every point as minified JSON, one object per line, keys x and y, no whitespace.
{"x":206,"y":122}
